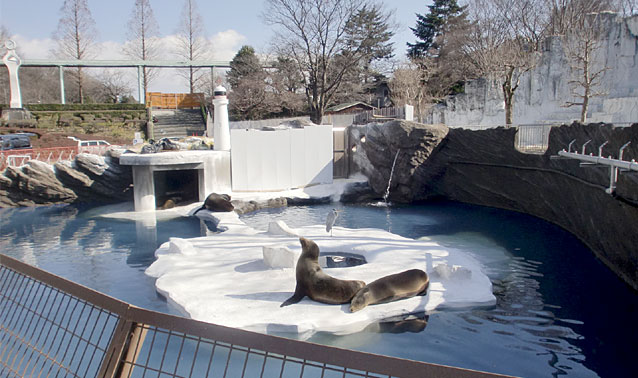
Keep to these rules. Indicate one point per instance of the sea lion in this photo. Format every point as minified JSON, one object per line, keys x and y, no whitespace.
{"x":391,"y":288}
{"x":217,"y":202}
{"x":313,"y":282}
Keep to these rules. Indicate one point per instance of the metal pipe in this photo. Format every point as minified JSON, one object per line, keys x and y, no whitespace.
{"x":569,"y":148}
{"x":621,"y":151}
{"x":628,"y":165}
{"x":600,"y":148}
{"x":585,"y":145}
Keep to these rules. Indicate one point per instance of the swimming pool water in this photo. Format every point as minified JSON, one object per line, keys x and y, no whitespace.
{"x":559,"y":310}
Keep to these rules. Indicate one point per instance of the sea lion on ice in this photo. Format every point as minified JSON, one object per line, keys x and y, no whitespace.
{"x":391,"y":288}
{"x":313,"y":282}
{"x":217,"y":202}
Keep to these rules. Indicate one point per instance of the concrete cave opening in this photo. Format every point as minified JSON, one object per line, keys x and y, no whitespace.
{"x":176,"y":187}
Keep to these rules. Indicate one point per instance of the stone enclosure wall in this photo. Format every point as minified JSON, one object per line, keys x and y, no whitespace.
{"x":544,"y":91}
{"x":484,"y":168}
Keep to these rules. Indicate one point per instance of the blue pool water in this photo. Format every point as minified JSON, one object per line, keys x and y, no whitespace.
{"x":559,"y":311}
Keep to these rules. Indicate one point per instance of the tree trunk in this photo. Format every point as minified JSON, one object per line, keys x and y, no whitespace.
{"x":316,"y":114}
{"x":583,"y":112}
{"x":508,"y":96}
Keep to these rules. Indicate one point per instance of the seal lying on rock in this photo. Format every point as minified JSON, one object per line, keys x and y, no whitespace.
{"x":316,"y":284}
{"x":391,"y":288}
{"x":217,"y":202}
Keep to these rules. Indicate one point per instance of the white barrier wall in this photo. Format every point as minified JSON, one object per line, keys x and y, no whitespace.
{"x":281,"y":159}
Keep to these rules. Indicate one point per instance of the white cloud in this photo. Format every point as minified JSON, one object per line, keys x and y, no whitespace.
{"x":29,"y":48}
{"x":226,"y":44}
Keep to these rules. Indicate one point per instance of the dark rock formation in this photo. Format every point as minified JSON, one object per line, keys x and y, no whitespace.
{"x":89,"y":178}
{"x":484,"y":168}
{"x":377,"y":146}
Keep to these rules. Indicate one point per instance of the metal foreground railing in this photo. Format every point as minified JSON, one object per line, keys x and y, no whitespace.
{"x":51,"y":327}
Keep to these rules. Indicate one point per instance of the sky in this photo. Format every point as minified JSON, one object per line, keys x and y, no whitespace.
{"x":228,"y":25}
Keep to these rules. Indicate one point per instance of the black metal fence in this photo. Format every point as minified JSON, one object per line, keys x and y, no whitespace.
{"x":51,"y":327}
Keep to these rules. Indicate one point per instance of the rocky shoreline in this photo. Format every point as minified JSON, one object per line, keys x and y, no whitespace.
{"x":86,"y":179}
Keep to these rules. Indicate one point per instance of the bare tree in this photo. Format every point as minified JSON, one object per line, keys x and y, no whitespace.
{"x":75,"y":36}
{"x":114,"y":86}
{"x":582,"y":46}
{"x":407,"y":85}
{"x":312,"y":34}
{"x":39,"y":85}
{"x":565,"y":15}
{"x":143,"y":33}
{"x":499,"y":49}
{"x":192,"y":45}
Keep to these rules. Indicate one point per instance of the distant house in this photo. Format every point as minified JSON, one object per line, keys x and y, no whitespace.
{"x":349,"y":108}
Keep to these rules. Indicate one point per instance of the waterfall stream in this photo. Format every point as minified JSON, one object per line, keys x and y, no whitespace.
{"x":387,"y":191}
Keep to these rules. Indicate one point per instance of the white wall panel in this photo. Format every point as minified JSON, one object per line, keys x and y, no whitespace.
{"x":281,"y":159}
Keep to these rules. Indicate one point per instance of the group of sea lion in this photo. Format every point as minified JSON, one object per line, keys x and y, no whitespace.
{"x":319,"y":286}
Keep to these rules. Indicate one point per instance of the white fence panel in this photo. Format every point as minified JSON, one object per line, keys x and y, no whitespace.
{"x":281,"y":159}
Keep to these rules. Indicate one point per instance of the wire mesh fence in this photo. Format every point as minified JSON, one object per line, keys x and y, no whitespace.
{"x":46,"y":332}
{"x":51,"y":327}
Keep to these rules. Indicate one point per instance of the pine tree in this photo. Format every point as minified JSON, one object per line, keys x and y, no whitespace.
{"x":245,"y":64}
{"x":247,"y":79}
{"x":430,"y":26}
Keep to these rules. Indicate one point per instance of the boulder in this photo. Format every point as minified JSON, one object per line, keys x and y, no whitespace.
{"x":410,"y":143}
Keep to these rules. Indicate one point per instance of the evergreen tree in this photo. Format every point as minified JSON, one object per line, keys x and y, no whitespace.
{"x":247,"y":79}
{"x":370,"y":31}
{"x":245,"y":64}
{"x":430,"y":26}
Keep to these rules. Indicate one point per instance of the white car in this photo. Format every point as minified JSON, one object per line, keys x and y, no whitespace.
{"x":90,"y":143}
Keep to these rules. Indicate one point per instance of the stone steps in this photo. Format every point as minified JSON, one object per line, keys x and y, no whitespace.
{"x":178,"y":123}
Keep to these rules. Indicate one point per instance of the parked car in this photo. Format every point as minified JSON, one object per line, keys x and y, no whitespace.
{"x":90,"y":143}
{"x":15,"y":141}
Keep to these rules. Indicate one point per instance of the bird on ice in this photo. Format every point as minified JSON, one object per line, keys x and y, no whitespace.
{"x":330,"y":220}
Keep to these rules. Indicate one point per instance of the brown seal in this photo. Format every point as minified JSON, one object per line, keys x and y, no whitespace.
{"x":313,"y":282}
{"x":217,"y":202}
{"x":391,"y":288}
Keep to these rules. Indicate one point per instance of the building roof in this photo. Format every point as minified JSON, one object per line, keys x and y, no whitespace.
{"x":346,"y":105}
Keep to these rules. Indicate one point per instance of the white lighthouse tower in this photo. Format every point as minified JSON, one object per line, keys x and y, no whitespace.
{"x":221,"y":128}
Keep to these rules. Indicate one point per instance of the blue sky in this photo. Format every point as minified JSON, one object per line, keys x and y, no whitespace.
{"x":229,"y":24}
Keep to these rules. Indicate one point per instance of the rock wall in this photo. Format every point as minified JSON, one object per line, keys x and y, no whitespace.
{"x":544,"y":91}
{"x":377,"y":146}
{"x":89,"y":178}
{"x":484,"y":168}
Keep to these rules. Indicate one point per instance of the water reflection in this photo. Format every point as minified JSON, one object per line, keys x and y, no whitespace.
{"x":108,"y":255}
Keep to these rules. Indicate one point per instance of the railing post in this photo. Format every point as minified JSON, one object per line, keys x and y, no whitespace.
{"x":62,"y":99}
{"x":127,"y":341}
